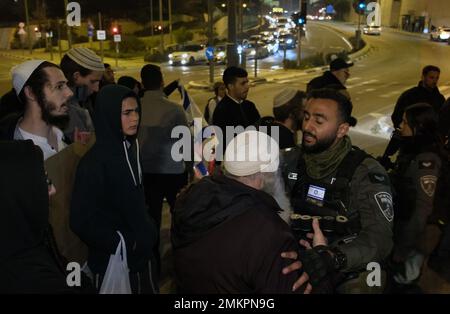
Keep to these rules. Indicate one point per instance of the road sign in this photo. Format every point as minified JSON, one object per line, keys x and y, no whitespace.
{"x":209,"y":53}
{"x":117,"y":38}
{"x":101,"y":35}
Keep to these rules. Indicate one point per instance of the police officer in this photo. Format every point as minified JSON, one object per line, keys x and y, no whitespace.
{"x":348,"y":191}
{"x":415,"y":177}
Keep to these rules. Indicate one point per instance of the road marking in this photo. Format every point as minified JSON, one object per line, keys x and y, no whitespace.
{"x":391,"y":94}
{"x":362,"y":84}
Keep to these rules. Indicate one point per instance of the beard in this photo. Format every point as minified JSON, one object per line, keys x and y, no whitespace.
{"x":320,"y":145}
{"x":59,"y":120}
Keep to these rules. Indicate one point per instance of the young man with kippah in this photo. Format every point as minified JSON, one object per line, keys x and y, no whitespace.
{"x":84,"y":70}
{"x":41,"y":88}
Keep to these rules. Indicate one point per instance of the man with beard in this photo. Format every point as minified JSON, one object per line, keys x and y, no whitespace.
{"x":42,"y":90}
{"x":425,"y":92}
{"x":288,"y":115}
{"x":346,"y":189}
{"x":84,"y":69}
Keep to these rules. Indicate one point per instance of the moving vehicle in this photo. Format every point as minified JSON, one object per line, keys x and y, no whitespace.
{"x":440,"y":34}
{"x":188,"y":54}
{"x":372,"y":30}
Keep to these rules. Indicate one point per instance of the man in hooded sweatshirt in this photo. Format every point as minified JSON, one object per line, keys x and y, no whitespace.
{"x":108,"y":194}
{"x":27,"y":264}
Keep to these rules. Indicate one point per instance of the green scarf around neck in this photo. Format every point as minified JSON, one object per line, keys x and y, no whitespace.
{"x":321,"y":165}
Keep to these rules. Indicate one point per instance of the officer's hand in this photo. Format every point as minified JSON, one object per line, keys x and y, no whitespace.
{"x":317,"y":237}
{"x":293,"y":267}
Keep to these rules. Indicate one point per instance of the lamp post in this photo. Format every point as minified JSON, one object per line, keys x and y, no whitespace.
{"x":161,"y":44}
{"x":69,"y":35}
{"x":170,"y":20}
{"x":151,"y":17}
{"x":27,"y":20}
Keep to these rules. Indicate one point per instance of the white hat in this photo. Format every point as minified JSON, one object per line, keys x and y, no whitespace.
{"x":251,"y":152}
{"x":22,"y":72}
{"x":283,"y":97}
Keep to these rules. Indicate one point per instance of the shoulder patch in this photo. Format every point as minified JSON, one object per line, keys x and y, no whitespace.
{"x":379,"y":178}
{"x":428,"y":184}
{"x":427,"y":164}
{"x":384,"y":202}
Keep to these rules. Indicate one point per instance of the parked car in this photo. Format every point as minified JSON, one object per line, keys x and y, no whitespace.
{"x":188,"y":54}
{"x":440,"y":34}
{"x":220,"y":54}
{"x":372,"y":30}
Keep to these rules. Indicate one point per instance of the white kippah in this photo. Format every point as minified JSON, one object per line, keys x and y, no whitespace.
{"x":283,"y":97}
{"x":251,"y":152}
{"x":22,"y":72}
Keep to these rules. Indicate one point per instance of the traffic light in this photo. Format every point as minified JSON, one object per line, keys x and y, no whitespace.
{"x":116,"y":30}
{"x":360,"y":6}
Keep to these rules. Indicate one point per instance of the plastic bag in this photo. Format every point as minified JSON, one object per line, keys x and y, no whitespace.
{"x":117,"y":279}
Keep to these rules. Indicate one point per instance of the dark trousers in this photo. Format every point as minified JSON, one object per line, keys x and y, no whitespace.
{"x":157,"y":187}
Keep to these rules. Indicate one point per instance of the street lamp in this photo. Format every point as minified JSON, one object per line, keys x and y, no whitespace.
{"x":27,"y":21}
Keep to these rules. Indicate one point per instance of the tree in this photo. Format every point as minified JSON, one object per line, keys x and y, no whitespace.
{"x":182,"y":35}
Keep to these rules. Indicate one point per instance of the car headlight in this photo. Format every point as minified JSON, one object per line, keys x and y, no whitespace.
{"x":170,"y":62}
{"x":183,"y":62}
{"x":444,"y":36}
{"x":221,"y":54}
{"x":239,"y":49}
{"x":289,"y":41}
{"x":184,"y":55}
{"x":253,"y":52}
{"x":170,"y":56}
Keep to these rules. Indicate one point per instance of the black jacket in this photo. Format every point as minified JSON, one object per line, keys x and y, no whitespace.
{"x":230,"y":113}
{"x":327,"y":80}
{"x":106,"y":197}
{"x":26,"y":263}
{"x":418,"y":94}
{"x":227,"y":238}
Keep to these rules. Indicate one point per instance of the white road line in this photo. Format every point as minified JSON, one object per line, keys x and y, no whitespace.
{"x":362,"y":84}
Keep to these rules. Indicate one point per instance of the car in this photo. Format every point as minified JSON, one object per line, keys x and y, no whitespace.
{"x":287,"y":41}
{"x":253,"y":50}
{"x":272,"y":46}
{"x":188,"y":54}
{"x":372,"y":30}
{"x":440,"y":34}
{"x":220,"y":54}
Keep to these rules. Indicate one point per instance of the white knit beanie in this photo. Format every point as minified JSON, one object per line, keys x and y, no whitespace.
{"x":251,"y":152}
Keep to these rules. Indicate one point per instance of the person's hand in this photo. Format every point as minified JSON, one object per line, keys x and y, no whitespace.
{"x":304,"y":278}
{"x":317,"y":237}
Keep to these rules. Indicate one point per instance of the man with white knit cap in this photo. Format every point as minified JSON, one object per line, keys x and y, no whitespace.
{"x":226,"y":234}
{"x":42,"y":90}
{"x":84,"y":70}
{"x":287,"y":117}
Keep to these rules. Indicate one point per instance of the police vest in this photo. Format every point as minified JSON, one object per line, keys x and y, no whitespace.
{"x":329,"y":200}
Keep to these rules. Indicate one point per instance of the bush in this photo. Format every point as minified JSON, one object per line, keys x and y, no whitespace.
{"x":309,"y":62}
{"x":155,"y":57}
{"x":130,"y":44}
{"x":182,"y":35}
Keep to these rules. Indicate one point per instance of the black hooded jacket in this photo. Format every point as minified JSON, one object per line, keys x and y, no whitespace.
{"x":415,"y":95}
{"x":26,"y":264}
{"x":227,"y":238}
{"x":327,"y":80}
{"x":108,"y":194}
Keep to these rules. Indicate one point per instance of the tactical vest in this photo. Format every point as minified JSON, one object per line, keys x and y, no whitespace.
{"x":329,"y":200}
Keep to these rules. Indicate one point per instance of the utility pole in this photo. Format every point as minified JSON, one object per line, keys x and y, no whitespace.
{"x":170,"y":21}
{"x":358,"y":32}
{"x":151,"y":17}
{"x":232,"y":56}
{"x":100,"y":28}
{"x":211,"y":38}
{"x":69,"y":35}
{"x":27,"y":20}
{"x":299,"y":35}
{"x":161,"y":44}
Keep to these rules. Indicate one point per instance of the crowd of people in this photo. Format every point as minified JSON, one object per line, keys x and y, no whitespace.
{"x":294,"y":207}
